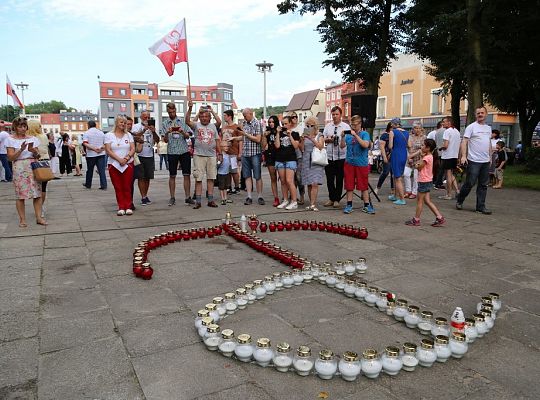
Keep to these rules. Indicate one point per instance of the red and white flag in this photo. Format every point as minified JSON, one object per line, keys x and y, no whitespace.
{"x":172,"y":48}
{"x":10,"y":91}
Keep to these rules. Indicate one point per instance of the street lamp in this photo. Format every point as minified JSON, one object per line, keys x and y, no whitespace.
{"x":22,"y":87}
{"x":263,"y":67}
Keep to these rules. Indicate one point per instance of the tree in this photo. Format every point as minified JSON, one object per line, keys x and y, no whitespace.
{"x":361,"y":37}
{"x":49,"y":107}
{"x":270,"y":110}
{"x":9,"y":113}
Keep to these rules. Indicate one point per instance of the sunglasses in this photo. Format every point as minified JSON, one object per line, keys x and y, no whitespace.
{"x":21,"y":119}
{"x":310,"y":126}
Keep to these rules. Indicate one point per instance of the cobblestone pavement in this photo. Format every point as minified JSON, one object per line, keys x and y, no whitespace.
{"x":76,"y":324}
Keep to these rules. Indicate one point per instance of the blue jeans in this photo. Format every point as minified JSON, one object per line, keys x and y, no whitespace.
{"x":292,"y":165}
{"x":7,"y":169}
{"x":385,"y":171}
{"x":476,"y":172}
{"x":251,"y":166}
{"x":163,"y":157}
{"x":92,"y":162}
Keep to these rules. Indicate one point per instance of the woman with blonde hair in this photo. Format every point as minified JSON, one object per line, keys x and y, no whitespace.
{"x":120,"y":147}
{"x":312,"y":174}
{"x":34,"y":129}
{"x":76,"y":156}
{"x":22,"y":150}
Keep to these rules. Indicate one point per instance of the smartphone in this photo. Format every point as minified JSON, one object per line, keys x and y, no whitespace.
{"x":347,"y":132}
{"x":152,"y":122}
{"x":30,"y":146}
{"x":175,"y":128}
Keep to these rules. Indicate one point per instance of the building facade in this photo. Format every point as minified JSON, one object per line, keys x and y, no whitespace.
{"x":308,"y":104}
{"x":75,"y":122}
{"x":51,"y":123}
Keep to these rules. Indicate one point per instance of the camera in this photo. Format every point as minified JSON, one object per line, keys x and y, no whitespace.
{"x":347,"y":132}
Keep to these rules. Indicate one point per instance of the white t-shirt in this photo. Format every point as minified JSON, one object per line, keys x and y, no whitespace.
{"x":431,"y":135}
{"x":454,"y":142}
{"x":16,"y":144}
{"x":95,"y":138}
{"x":148,"y":137}
{"x":3,"y":139}
{"x":479,"y":136}
{"x":330,"y":130}
{"x":120,"y":147}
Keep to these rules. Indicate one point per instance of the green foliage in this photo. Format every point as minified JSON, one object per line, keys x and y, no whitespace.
{"x":49,"y":107}
{"x":9,"y":113}
{"x":270,"y":110}
{"x":532,"y":159}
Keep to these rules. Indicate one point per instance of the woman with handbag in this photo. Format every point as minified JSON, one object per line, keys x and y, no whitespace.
{"x":312,"y":170}
{"x":22,"y":150}
{"x":34,"y":129}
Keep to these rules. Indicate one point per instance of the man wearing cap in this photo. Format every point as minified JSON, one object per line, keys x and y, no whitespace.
{"x":336,"y":157}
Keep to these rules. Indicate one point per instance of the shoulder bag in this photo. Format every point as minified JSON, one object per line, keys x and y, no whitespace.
{"x":42,"y":171}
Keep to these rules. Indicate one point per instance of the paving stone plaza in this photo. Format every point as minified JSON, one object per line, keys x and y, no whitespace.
{"x":76,"y":324}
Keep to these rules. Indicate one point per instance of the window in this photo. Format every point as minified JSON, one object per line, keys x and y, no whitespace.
{"x":73,"y":127}
{"x":346,"y":107}
{"x":150,"y":92}
{"x":55,"y":130}
{"x":151,"y":107}
{"x":214,"y":95}
{"x":81,"y":127}
{"x":110,"y":107}
{"x":66,"y":127}
{"x":179,"y":107}
{"x":406,"y":104}
{"x":436,"y":104}
{"x":328,"y":115}
{"x":139,"y":107}
{"x":73,"y":118}
{"x":192,"y":95}
{"x":122,"y":92}
{"x":327,"y":96}
{"x":139,"y":91}
{"x":381,"y":107}
{"x":338,"y":95}
{"x":110,"y":121}
{"x":109,"y":92}
{"x":333,"y":95}
{"x":227,"y":96}
{"x":123,"y":107}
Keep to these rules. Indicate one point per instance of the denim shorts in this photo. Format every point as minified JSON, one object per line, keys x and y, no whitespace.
{"x":286,"y":165}
{"x":251,"y":166}
{"x":424,"y":187}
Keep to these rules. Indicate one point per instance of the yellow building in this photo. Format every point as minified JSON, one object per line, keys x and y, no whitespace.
{"x":409,"y":92}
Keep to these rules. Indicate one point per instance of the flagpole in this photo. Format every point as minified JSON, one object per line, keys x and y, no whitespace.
{"x":7,"y":102}
{"x":187,"y":62}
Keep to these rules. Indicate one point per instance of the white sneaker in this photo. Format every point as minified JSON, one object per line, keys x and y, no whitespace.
{"x":283,"y":204}
{"x":120,"y":213}
{"x":376,"y":190}
{"x":129,"y":211}
{"x":292,"y":206}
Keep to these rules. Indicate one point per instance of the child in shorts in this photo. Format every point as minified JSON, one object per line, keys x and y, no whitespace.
{"x":502,"y":158}
{"x":425,"y":182}
{"x":223,"y":174}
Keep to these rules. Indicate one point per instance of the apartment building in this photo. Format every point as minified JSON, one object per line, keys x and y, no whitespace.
{"x":75,"y":122}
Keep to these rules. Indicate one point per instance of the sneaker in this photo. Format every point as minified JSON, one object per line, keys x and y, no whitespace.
{"x":129,"y":211}
{"x":230,"y":191}
{"x":283,"y":204}
{"x":392,"y":197}
{"x":84,"y":185}
{"x":172,"y":201}
{"x":120,"y":213}
{"x":336,"y":204}
{"x":348,"y":209}
{"x":368,"y":209}
{"x":143,"y":201}
{"x":376,"y":190}
{"x":229,"y":201}
{"x":459,"y":206}
{"x":300,"y":202}
{"x":292,"y":206}
{"x":261,"y":201}
{"x":413,"y":222}
{"x":223,"y":202}
{"x":212,"y":204}
{"x":484,"y":211}
{"x":197,"y":206}
{"x":248,"y":201}
{"x":189,"y":201}
{"x":276,"y":202}
{"x":148,"y":201}
{"x":446,"y":197}
{"x":329,"y":203}
{"x":399,"y":202}
{"x":438,"y":222}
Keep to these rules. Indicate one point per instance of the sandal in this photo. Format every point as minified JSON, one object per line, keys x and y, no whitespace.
{"x":41,"y":222}
{"x":23,"y":225}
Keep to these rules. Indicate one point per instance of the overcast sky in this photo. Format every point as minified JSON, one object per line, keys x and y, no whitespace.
{"x":59,"y":47}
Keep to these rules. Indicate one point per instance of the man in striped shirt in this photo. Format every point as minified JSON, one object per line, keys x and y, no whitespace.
{"x":251,"y":156}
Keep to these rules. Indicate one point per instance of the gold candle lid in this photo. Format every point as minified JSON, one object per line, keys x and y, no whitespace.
{"x":383,"y":293}
{"x":146,"y":265}
{"x":339,"y":263}
{"x":390,"y":303}
{"x":409,"y":347}
{"x":331,"y":273}
{"x":494,"y":296}
{"x":470,"y":322}
{"x":488,"y":307}
{"x":361,"y":284}
{"x":263,"y":342}
{"x":217,"y":300}
{"x":478,"y":317}
{"x":441,"y":339}
{"x":283,"y":347}
{"x":207,"y":321}
{"x":213,"y":328}
{"x":361,"y":259}
{"x":413,"y":309}
{"x":303,"y":351}
{"x":426,"y":314}
{"x":459,"y":336}
{"x":441,"y":321}
{"x":230,"y":296}
{"x":487,"y":300}
{"x":349,"y":261}
{"x":392,"y":351}
{"x":138,"y":258}
{"x":350,"y":356}
{"x":276,"y":274}
{"x":370,"y":354}
{"x":240,"y":292}
{"x":327,"y":265}
{"x":227,"y":334}
{"x":372,"y":289}
{"x":307,"y":264}
{"x":350,"y":282}
{"x":211,"y":307}
{"x":401,"y":303}
{"x":203,"y":313}
{"x":326,"y":354}
{"x":285,"y":273}
{"x":244,"y":338}
{"x":427,"y":344}
{"x":257,"y":282}
{"x":268,"y":279}
{"x":248,"y":286}
{"x":485,"y":313}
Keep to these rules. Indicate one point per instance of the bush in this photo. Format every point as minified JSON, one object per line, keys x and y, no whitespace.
{"x":532,"y":160}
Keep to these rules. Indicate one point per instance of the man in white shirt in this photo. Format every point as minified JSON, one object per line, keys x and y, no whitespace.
{"x":94,"y":143}
{"x":476,"y":153}
{"x":336,"y":157}
{"x":144,"y":133}
{"x":7,"y":176}
{"x":449,"y":155}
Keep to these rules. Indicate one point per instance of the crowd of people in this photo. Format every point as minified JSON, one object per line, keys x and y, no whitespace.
{"x":299,"y":159}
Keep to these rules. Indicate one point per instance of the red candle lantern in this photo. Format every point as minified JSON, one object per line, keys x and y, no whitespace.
{"x":304,"y":225}
{"x":272,"y":227}
{"x":147,"y":271}
{"x":313,"y":225}
{"x":363,"y":233}
{"x":186,"y":235}
{"x":137,"y":268}
{"x":193,"y":233}
{"x":288,"y":225}
{"x":280,"y":226}
{"x":321,"y":225}
{"x":263,"y":227}
{"x":218,"y":230}
{"x":296,"y":224}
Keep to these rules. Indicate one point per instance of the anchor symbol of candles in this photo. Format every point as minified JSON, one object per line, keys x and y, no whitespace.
{"x":253,"y":223}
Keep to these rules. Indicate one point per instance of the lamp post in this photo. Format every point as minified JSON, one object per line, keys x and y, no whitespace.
{"x":22,"y":87}
{"x":263,"y":67}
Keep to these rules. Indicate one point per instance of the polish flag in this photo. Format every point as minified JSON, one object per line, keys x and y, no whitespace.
{"x":11,"y":92}
{"x":172,"y":48}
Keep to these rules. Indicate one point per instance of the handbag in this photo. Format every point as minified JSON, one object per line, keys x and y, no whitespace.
{"x":319,"y":157}
{"x":42,"y":171}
